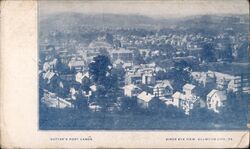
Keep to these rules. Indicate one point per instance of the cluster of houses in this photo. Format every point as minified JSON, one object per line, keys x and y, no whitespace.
{"x":140,"y":82}
{"x":186,"y":100}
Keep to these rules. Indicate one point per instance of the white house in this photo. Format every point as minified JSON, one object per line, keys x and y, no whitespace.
{"x":131,"y":90}
{"x":46,"y":66}
{"x":48,"y":76}
{"x":189,"y":90}
{"x":222,"y":83}
{"x":186,"y":100}
{"x":76,"y":64}
{"x":81,"y":77}
{"x":216,"y":100}
{"x":163,"y":88}
{"x":234,"y":85}
{"x":133,"y":78}
{"x":123,"y":54}
{"x":144,"y":99}
{"x":206,"y":79}
{"x":93,"y":88}
{"x":176,"y":99}
{"x":73,"y":93}
{"x":51,"y":100}
{"x":148,"y":78}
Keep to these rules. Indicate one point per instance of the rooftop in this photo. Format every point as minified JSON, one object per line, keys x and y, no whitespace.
{"x":145,"y":96}
{"x":164,"y":83}
{"x":221,"y":94}
{"x":188,"y":86}
{"x":130,"y":87}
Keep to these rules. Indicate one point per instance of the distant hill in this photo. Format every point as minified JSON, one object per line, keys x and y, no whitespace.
{"x":98,"y":20}
{"x":72,"y":21}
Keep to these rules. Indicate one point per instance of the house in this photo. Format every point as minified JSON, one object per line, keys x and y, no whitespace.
{"x":49,"y":76}
{"x":46,"y":66}
{"x":90,"y":54}
{"x":94,"y":107}
{"x":222,"y":84}
{"x":73,"y":93}
{"x":82,"y":77}
{"x":77,"y":64}
{"x":100,"y":43}
{"x":206,"y":79}
{"x":144,"y":99}
{"x":126,"y":65}
{"x":185,"y":102}
{"x":216,"y":100}
{"x":53,"y":62}
{"x":189,"y":90}
{"x":148,"y":78}
{"x":51,"y":100}
{"x":131,"y":90}
{"x":133,"y":78}
{"x":176,"y":99}
{"x":118,"y":63}
{"x":194,"y":50}
{"x":222,"y":80}
{"x":93,"y":88}
{"x":123,"y":54}
{"x":163,"y":88}
{"x":234,"y":85}
{"x":187,"y":99}
{"x":144,"y":52}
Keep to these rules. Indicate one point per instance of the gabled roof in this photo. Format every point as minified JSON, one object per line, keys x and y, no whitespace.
{"x":179,"y":95}
{"x":176,"y":95}
{"x":80,"y":75}
{"x":164,"y":84}
{"x":93,"y":88}
{"x":97,"y":43}
{"x":118,"y":61}
{"x":221,"y":94}
{"x":145,"y":96}
{"x":53,"y":62}
{"x":75,"y":63}
{"x":133,"y":75}
{"x":189,"y":86}
{"x":85,"y":75}
{"x":131,"y":87}
{"x":48,"y":75}
{"x":211,"y":93}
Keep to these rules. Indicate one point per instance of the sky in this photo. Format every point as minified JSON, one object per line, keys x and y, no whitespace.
{"x":156,"y":8}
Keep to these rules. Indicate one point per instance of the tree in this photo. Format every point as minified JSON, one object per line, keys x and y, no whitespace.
{"x":228,"y":52}
{"x":243,"y":52}
{"x":100,"y":69}
{"x":180,"y":74}
{"x":60,"y":67}
{"x":207,"y":53}
{"x":127,"y":104}
{"x":101,"y":74}
{"x":81,"y":102}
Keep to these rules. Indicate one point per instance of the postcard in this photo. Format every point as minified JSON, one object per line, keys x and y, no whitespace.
{"x":125,"y":74}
